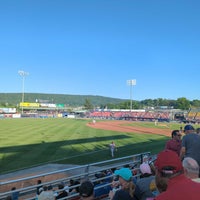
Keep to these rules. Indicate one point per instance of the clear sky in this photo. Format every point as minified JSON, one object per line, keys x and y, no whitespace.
{"x":92,"y":47}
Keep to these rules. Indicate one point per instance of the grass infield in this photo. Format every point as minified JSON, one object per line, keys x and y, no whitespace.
{"x":26,"y":143}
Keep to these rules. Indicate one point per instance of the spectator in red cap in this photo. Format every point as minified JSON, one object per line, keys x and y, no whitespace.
{"x":170,"y":174}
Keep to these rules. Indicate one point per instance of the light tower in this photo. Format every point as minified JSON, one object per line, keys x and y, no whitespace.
{"x":131,"y":83}
{"x":23,"y":74}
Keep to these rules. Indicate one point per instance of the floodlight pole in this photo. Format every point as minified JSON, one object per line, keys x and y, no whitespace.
{"x":131,"y":83}
{"x":23,"y":74}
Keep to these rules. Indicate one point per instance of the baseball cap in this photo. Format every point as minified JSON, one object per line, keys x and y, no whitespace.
{"x":188,"y":127}
{"x":86,"y":189}
{"x":125,"y":173}
{"x":168,"y":162}
{"x":145,"y":168}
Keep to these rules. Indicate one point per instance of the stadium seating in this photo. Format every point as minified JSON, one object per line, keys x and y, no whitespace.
{"x":78,"y":173}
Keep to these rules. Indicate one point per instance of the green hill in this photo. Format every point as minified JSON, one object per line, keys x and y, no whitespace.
{"x":70,"y":100}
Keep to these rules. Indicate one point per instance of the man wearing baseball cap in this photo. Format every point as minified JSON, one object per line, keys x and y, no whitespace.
{"x":190,"y":144}
{"x":170,"y":175}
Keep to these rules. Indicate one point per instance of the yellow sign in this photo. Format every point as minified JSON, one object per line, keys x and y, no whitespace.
{"x":27,"y":104}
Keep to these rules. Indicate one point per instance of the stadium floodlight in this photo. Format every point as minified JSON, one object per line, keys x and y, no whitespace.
{"x":23,"y":74}
{"x":131,"y":83}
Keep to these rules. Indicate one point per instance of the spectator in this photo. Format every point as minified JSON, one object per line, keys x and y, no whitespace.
{"x":190,"y":144}
{"x":66,"y":188}
{"x":46,"y":194}
{"x":15,"y":194}
{"x":145,"y":159}
{"x":39,"y":182}
{"x":8,"y":197}
{"x":181,"y":129}
{"x":74,"y":187}
{"x":145,"y":170}
{"x":108,"y":175}
{"x":145,"y":186}
{"x":51,"y":190}
{"x":170,"y":173}
{"x":174,"y":143}
{"x":39,"y":192}
{"x":151,"y":164}
{"x":150,"y":161}
{"x":71,"y":183}
{"x":126,"y":183}
{"x":102,"y":186}
{"x":62,"y":192}
{"x":191,"y":169}
{"x":198,"y":131}
{"x":86,"y":190}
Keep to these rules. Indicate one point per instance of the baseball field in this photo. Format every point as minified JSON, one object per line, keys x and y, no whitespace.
{"x":32,"y":142}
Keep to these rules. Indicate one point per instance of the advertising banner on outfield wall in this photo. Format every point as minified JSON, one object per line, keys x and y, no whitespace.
{"x":28,"y":104}
{"x":7,"y":110}
{"x":60,"y":105}
{"x":47,"y":105}
{"x":16,"y":115}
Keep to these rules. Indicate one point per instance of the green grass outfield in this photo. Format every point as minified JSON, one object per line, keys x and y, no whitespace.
{"x":26,"y":143}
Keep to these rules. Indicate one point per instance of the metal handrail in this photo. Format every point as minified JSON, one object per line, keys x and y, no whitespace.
{"x":88,"y":169}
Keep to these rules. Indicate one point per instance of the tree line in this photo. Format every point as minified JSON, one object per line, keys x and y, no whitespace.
{"x":181,"y":103}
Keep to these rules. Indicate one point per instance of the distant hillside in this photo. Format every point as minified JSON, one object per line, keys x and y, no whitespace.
{"x":70,"y":100}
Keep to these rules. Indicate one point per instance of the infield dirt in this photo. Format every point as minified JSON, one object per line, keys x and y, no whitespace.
{"x":123,"y":126}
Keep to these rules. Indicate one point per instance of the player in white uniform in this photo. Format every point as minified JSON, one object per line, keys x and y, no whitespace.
{"x":112,"y":149}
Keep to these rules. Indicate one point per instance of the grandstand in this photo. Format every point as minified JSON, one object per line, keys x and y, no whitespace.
{"x":44,"y":109}
{"x":193,"y":116}
{"x":134,"y":115}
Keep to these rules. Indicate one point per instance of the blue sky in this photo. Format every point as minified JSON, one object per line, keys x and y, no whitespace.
{"x":92,"y":47}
